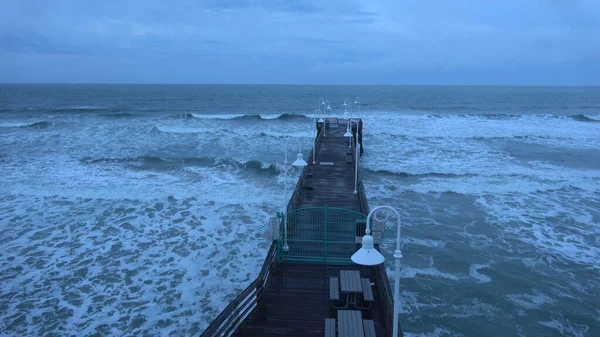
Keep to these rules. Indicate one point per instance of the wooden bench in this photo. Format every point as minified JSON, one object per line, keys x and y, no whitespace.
{"x":367,"y":291}
{"x":308,"y":181}
{"x":330,"y":327}
{"x":369,"y":328}
{"x":334,"y":288}
{"x":349,"y":158}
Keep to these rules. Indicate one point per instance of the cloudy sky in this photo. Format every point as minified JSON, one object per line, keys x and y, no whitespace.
{"x":523,"y":42}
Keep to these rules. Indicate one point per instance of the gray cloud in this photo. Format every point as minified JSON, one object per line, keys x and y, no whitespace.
{"x":298,"y":40}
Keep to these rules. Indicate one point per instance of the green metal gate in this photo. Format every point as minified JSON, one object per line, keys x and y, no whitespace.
{"x":320,"y":234}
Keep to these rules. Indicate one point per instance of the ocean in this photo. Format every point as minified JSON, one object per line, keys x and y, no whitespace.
{"x":137,"y":209}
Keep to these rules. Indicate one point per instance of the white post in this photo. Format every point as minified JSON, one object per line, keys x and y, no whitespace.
{"x":397,"y":257}
{"x":315,"y":137}
{"x":350,"y":125}
{"x":285,"y":201}
{"x":356,"y":162}
{"x":285,"y":162}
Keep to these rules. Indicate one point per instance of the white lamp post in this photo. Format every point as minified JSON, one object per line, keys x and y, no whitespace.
{"x":299,"y":162}
{"x":326,"y":106}
{"x":356,"y":156}
{"x":357,"y":101}
{"x":346,"y":103}
{"x":369,"y":256}
{"x":315,"y":138}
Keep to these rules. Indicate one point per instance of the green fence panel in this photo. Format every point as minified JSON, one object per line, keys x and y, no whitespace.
{"x":321,"y":234}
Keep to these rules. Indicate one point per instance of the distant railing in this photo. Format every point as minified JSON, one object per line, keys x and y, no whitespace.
{"x":387,"y":298}
{"x":362,"y":198}
{"x":234,"y":314}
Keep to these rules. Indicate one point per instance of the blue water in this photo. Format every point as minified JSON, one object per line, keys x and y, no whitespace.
{"x":138,"y":209}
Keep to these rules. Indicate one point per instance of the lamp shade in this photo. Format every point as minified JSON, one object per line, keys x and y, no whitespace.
{"x":299,"y":161}
{"x":367,"y":255}
{"x":348,"y":133}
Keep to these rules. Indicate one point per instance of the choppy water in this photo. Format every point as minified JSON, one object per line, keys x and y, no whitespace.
{"x":136,"y":209}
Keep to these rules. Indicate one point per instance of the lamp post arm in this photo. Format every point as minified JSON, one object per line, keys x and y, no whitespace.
{"x":288,"y":141}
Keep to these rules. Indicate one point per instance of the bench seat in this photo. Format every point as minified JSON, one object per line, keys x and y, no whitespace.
{"x":330,"y":327}
{"x":334,"y":288}
{"x":369,"y":327}
{"x":367,"y":290}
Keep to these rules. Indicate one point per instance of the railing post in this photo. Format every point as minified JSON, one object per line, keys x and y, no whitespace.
{"x":280,"y":256}
{"x":325,"y":216}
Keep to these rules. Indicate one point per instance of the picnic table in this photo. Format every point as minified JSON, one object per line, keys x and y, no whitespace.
{"x":350,"y":285}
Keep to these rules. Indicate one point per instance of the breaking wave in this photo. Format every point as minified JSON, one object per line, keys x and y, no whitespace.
{"x":251,"y":117}
{"x":33,"y":125}
{"x":586,"y":118}
{"x":79,"y":108}
{"x":116,"y":114}
{"x":164,"y":163}
{"x":418,"y":175}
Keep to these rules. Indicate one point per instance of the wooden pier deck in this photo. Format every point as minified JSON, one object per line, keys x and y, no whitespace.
{"x":333,"y":185}
{"x":296,"y":302}
{"x":291,"y":295}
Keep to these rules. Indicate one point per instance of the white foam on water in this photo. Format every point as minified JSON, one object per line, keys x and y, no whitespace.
{"x":474,"y":273}
{"x":536,"y":128}
{"x":412,"y":272}
{"x":566,"y":328}
{"x":14,"y":124}
{"x":530,"y":301}
{"x":161,"y":264}
{"x":475,"y":308}
{"x":559,"y":223}
{"x":437,"y":332}
{"x":304,"y":134}
{"x":178,"y":129}
{"x":424,"y":242}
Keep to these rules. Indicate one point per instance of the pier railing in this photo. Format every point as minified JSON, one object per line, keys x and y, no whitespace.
{"x":234,"y":314}
{"x":301,"y":181}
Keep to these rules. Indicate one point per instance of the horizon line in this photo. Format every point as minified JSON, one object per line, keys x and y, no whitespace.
{"x":303,"y":84}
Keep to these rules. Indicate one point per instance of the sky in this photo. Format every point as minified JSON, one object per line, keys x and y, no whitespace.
{"x":438,"y":42}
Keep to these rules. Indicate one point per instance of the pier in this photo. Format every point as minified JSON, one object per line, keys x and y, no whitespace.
{"x":297,"y":291}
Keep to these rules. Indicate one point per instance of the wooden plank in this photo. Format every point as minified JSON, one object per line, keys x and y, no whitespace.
{"x":334,"y":288}
{"x":350,"y":323}
{"x":369,"y":328}
{"x":350,"y":281}
{"x":367,"y":290}
{"x":330,"y":327}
